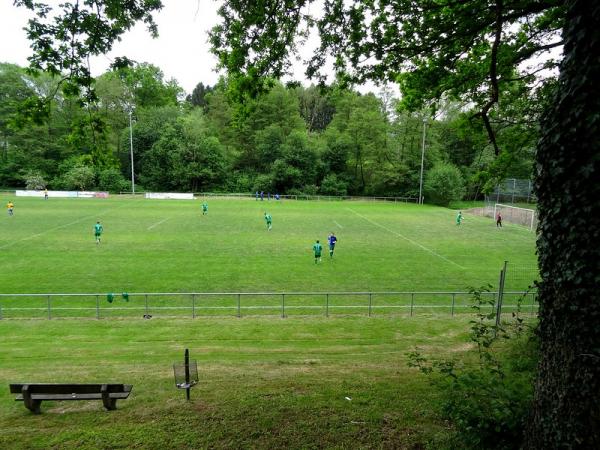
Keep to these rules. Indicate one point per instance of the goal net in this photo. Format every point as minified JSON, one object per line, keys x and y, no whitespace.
{"x":513,"y":214}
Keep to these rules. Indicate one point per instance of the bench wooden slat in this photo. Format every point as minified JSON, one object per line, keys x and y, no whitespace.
{"x":16,"y":388}
{"x":59,"y":397}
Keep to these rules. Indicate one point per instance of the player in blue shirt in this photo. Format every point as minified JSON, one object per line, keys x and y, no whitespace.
{"x":331,"y":239}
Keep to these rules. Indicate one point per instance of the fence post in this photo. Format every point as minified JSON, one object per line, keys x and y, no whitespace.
{"x":412,"y":302}
{"x":327,"y":305}
{"x":453,"y":301}
{"x":97,"y":307}
{"x":49,"y":313}
{"x":500,"y":293}
{"x":239,"y":311}
{"x":193,"y":306}
{"x":514,"y":188}
{"x":146,"y":303}
{"x":282,"y":305}
{"x":370,"y":303}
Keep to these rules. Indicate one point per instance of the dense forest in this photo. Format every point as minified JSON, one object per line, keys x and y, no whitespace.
{"x":329,"y":140}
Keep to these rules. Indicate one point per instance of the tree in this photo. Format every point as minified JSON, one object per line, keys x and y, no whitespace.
{"x":444,"y":183}
{"x":62,"y":40}
{"x":198,"y":97}
{"x":566,"y":408}
{"x":468,"y":50}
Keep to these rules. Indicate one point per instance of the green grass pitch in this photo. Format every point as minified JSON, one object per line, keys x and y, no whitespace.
{"x":168,"y":246}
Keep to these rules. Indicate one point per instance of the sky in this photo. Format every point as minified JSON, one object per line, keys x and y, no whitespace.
{"x":181,"y":51}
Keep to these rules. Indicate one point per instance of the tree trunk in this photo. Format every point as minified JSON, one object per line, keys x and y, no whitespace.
{"x":566,"y":407}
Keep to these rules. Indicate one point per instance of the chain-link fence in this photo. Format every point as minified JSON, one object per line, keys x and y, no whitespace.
{"x":513,"y":191}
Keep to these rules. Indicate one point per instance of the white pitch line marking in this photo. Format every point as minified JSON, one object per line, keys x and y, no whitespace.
{"x":45,"y":232}
{"x":157,"y":223}
{"x":338,"y":224}
{"x":407,"y":239}
{"x":59,"y":227}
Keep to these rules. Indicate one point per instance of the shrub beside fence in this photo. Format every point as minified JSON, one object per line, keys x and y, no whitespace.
{"x":243,"y":304}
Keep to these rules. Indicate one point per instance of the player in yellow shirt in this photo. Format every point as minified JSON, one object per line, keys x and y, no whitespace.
{"x":10,"y":207}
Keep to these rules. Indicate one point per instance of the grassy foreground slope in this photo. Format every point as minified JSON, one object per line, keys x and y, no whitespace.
{"x":264,"y":383}
{"x":168,"y":246}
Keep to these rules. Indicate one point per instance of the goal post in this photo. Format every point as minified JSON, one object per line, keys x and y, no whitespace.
{"x":514,"y":214}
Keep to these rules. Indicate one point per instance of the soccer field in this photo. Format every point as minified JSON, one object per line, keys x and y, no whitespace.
{"x":169,"y":246}
{"x":338,"y":382}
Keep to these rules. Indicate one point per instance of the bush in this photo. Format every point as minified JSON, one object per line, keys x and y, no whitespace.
{"x":34,"y":180}
{"x":113,"y":181}
{"x":332,"y":185}
{"x":487,"y":402}
{"x":78,"y":178}
{"x":444,"y":183}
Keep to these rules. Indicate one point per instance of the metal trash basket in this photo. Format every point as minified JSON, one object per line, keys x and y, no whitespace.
{"x":186,"y":374}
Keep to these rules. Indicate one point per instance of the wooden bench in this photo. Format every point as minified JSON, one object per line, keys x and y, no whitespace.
{"x":32,"y":395}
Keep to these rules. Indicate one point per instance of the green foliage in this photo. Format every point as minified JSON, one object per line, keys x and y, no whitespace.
{"x":488,"y":400}
{"x":79,"y":178}
{"x":112,"y":180}
{"x":332,"y":185}
{"x":34,"y":180}
{"x":443,"y":184}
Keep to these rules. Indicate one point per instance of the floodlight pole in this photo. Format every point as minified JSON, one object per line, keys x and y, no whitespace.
{"x":131,"y":152}
{"x":422,"y":161}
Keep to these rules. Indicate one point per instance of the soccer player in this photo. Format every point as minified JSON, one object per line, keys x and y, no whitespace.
{"x":10,"y":207}
{"x":498,"y":220}
{"x":98,"y":232}
{"x":204,"y":208}
{"x":269,"y":221}
{"x":45,"y":194}
{"x":317,"y":248}
{"x":459,"y":218}
{"x":331,"y":239}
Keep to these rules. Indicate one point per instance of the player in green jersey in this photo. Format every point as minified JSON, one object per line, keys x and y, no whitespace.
{"x":317,"y":248}
{"x":459,"y":218}
{"x":204,"y":208}
{"x":269,"y":221}
{"x":98,"y":231}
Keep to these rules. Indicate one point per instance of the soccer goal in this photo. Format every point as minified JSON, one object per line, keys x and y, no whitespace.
{"x":513,"y":214}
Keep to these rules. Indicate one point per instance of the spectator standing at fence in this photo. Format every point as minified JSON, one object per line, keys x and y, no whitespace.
{"x":459,"y":218}
{"x":269,"y":221}
{"x":204,"y":209}
{"x":98,"y":229}
{"x":262,"y":195}
{"x":45,"y":194}
{"x":256,"y":196}
{"x":331,"y":240}
{"x":498,"y":220}
{"x":10,"y":208}
{"x":317,"y":249}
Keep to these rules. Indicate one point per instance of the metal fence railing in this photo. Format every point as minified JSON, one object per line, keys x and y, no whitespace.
{"x":283,"y":304}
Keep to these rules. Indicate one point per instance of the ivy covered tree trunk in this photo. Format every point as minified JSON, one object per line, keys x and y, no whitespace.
{"x":566,"y":408}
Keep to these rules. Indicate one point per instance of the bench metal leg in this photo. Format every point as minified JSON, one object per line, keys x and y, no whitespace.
{"x":109,"y":403}
{"x":31,"y":404}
